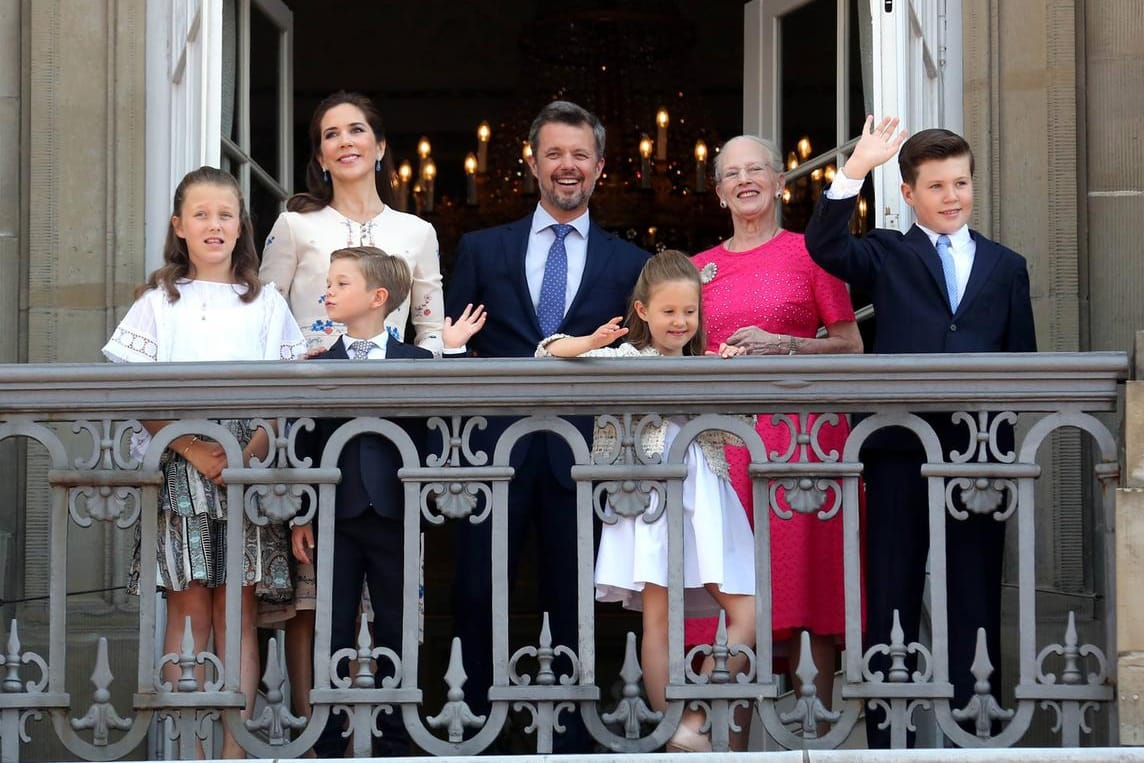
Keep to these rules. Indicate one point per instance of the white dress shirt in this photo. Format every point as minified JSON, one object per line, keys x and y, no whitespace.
{"x":540,"y":240}
{"x":962,"y":247}
{"x":377,"y":352}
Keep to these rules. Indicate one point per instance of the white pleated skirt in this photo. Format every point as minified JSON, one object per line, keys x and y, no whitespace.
{"x":718,"y":546}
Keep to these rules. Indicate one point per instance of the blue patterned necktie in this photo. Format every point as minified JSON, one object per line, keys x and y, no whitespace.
{"x":946,"y":257}
{"x":550,"y":309}
{"x":359,"y":349}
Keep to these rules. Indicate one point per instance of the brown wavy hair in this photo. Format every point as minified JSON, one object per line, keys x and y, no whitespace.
{"x":668,"y":265}
{"x":319,"y":194}
{"x":176,"y":260}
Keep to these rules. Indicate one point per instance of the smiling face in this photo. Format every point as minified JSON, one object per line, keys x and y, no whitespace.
{"x":209,"y":222}
{"x":748,"y":183}
{"x":566,"y":167}
{"x":349,"y":148}
{"x":671,"y":314}
{"x":942,"y":195}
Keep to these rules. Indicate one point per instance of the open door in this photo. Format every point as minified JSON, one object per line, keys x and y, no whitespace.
{"x":219,"y":92}
{"x":909,"y":54}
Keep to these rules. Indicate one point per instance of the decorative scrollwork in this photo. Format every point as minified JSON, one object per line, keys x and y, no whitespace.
{"x":12,"y":683}
{"x":982,"y":496}
{"x":187,"y":660}
{"x":455,"y":716}
{"x":805,"y":495}
{"x":280,"y":503}
{"x":363,"y":658}
{"x":898,"y":650}
{"x":982,"y":707}
{"x":720,"y":652}
{"x":1071,"y":674}
{"x":808,"y":710}
{"x":276,"y":717}
{"x":823,"y":419}
{"x":631,"y":710}
{"x":982,"y":440}
{"x":104,"y":503}
{"x":286,"y":443}
{"x":107,"y":450}
{"x":101,"y":717}
{"x":616,"y":499}
{"x":455,"y":500}
{"x":887,"y":718}
{"x":456,"y":439}
{"x":545,"y":654}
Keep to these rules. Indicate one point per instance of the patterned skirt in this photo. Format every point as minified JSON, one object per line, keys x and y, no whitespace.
{"x":191,"y":548}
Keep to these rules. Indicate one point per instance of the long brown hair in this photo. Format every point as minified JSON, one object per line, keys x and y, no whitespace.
{"x":319,"y":193}
{"x":668,"y":265}
{"x":177,"y":261}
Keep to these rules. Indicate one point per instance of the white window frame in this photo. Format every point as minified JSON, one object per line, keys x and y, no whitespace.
{"x":916,"y":75}
{"x":184,"y":104}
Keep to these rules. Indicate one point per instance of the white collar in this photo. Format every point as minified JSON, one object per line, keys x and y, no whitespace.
{"x":959,"y":239}
{"x":541,"y":219}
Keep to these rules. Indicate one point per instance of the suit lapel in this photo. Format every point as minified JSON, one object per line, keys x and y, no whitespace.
{"x":986,"y":255}
{"x":515,"y":248}
{"x":337,"y":350}
{"x":594,"y":263}
{"x":919,"y":243}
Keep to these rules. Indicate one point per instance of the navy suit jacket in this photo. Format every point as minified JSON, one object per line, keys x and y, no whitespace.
{"x":489,"y":270}
{"x":368,"y":462}
{"x":903,"y":276}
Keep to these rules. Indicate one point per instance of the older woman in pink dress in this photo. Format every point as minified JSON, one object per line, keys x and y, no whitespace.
{"x":765,"y":294}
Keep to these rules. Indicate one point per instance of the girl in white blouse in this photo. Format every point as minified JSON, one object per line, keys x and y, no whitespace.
{"x":206,"y":303}
{"x":348,"y":187}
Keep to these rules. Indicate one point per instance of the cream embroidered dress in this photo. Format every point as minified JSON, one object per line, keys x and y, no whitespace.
{"x":296,"y":257}
{"x":718,"y":546}
{"x":208,"y":323}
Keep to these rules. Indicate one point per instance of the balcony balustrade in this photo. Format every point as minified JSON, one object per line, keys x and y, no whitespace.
{"x":80,"y":418}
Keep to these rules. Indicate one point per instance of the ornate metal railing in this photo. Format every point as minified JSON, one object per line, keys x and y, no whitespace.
{"x":81,"y":416}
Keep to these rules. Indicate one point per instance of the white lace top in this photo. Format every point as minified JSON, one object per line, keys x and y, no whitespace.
{"x":209,"y":322}
{"x":653,"y":437}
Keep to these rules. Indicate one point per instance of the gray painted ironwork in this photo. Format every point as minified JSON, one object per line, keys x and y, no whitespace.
{"x":102,"y":404}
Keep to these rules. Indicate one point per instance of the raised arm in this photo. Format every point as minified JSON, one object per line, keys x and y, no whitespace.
{"x":572,"y":346}
{"x":876,"y":146}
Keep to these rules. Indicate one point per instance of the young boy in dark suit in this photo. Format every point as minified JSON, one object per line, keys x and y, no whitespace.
{"x":939,"y":287}
{"x":363,"y":286}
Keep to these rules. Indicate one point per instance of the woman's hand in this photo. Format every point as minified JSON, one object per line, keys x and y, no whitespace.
{"x":729,"y":351}
{"x":209,"y":458}
{"x":454,"y":335}
{"x":302,"y":543}
{"x":876,"y":146}
{"x":755,"y":341}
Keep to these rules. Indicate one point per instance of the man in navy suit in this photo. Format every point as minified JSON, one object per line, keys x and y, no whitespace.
{"x":553,"y":271}
{"x":363,"y":286}
{"x":940,"y":287}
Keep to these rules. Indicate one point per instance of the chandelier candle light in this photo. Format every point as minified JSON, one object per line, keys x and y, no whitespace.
{"x":484,"y":132}
{"x":700,"y":166}
{"x":529,"y":180}
{"x":428,"y":178}
{"x":472,"y":163}
{"x":661,"y":120}
{"x":645,"y":162}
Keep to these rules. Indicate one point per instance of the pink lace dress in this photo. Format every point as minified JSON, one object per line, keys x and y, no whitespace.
{"x":778,"y":288}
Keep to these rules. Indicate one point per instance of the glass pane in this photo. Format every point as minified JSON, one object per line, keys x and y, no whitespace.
{"x":230,"y":105}
{"x":809,"y":73}
{"x":264,"y":203}
{"x":265,"y":75}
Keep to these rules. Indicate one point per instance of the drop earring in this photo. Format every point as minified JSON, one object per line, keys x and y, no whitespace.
{"x":722,"y":203}
{"x":778,"y":194}
{"x":326,"y":176}
{"x":377,"y":165}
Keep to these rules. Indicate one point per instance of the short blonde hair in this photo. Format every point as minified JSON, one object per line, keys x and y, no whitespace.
{"x":381,"y":271}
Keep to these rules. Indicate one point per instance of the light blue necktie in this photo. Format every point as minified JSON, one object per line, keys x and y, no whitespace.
{"x":550,"y":309}
{"x":946,"y":257}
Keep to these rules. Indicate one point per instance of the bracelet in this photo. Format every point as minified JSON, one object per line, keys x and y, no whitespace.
{"x":793,"y":347}
{"x":194,"y":439}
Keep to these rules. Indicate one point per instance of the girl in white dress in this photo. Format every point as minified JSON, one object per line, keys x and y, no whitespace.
{"x":206,"y":303}
{"x":666,"y":319}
